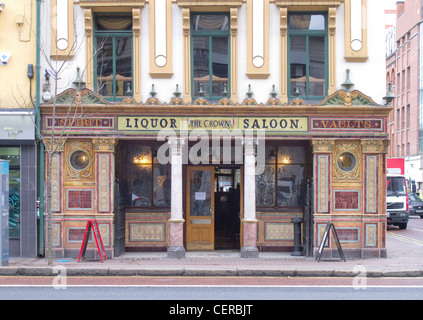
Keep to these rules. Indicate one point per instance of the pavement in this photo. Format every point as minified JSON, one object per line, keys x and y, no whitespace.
{"x":403,"y":260}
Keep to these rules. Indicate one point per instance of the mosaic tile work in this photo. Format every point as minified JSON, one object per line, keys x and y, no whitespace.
{"x":278,"y":231}
{"x":147,"y":232}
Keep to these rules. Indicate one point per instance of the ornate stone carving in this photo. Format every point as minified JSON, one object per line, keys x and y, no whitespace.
{"x":322,"y":146}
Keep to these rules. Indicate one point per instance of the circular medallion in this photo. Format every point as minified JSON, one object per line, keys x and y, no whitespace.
{"x":346,"y":161}
{"x":79,"y":160}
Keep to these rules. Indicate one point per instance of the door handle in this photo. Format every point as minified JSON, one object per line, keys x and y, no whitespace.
{"x":212,"y":212}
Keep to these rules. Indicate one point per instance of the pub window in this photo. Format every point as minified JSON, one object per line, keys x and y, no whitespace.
{"x":148,"y":182}
{"x":210,"y":45}
{"x":113,"y":56}
{"x":13,"y":155}
{"x":307,"y":54}
{"x":283,"y":182}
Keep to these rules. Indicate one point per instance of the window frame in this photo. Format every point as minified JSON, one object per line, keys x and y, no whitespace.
{"x":210,"y":34}
{"x":308,"y":34}
{"x":97,"y":34}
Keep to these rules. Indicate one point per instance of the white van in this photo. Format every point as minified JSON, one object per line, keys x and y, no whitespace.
{"x":397,"y":200}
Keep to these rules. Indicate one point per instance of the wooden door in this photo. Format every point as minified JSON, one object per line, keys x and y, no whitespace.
{"x":200,"y":208}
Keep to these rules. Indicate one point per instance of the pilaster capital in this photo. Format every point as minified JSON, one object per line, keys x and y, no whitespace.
{"x":322,"y":146}
{"x":176,"y":146}
{"x":104,"y":144}
{"x":375,"y":146}
{"x":250,"y":145}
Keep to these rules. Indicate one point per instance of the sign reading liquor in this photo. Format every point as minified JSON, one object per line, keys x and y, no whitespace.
{"x":269,"y":124}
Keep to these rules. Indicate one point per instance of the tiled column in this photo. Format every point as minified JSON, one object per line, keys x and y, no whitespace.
{"x":249,"y":249}
{"x":176,"y":249}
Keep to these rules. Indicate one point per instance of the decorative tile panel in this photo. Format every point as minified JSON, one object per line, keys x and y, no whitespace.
{"x":323,"y":183}
{"x":371,"y":184}
{"x":147,"y":232}
{"x":346,"y":200}
{"x":371,"y":233}
{"x":278,"y":231}
{"x":103,"y":183}
{"x":79,"y":199}
{"x":348,"y":235}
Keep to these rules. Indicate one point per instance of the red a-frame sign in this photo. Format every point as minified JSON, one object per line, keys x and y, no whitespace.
{"x":92,"y":225}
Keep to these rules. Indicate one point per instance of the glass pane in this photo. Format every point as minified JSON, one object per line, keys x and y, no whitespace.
{"x":291,"y":155}
{"x":307,"y":22}
{"x":162,"y":185}
{"x":139,"y":155}
{"x":317,"y":66}
{"x":123,"y":66}
{"x":105,"y":66}
{"x":139,"y":179}
{"x":14,"y":202}
{"x":298,"y":63}
{"x":210,"y":22}
{"x":200,"y":193}
{"x":290,"y":185}
{"x":220,"y":64}
{"x":12,"y":154}
{"x":201,"y":60}
{"x":265,"y":187}
{"x":113,"y":22}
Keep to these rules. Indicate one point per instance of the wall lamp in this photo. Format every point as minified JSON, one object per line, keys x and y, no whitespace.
{"x":2,"y":5}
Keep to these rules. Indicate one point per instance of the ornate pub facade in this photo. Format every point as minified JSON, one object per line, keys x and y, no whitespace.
{"x":215,"y":125}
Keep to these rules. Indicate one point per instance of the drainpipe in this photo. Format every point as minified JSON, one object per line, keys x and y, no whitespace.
{"x":38,"y":134}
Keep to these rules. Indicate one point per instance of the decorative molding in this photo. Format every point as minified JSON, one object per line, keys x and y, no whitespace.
{"x":355,"y":30}
{"x":258,"y":39}
{"x":348,"y":99}
{"x":322,"y":146}
{"x":160,"y":19}
{"x":305,"y":4}
{"x":62,"y":33}
{"x":323,"y":183}
{"x":371,"y":183}
{"x":136,"y":53}
{"x":104,"y":184}
{"x":354,"y":175}
{"x":114,"y":4}
{"x":104,"y":144}
{"x":86,"y":173}
{"x":332,"y":49}
{"x":89,"y":50}
{"x":283,"y":89}
{"x":373,"y":146}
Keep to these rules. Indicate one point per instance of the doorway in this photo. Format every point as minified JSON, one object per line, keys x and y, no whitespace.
{"x":214,"y":208}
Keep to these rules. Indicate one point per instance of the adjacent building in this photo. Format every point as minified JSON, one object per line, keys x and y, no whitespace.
{"x":17,"y":122}
{"x":206,"y":125}
{"x":404,"y":65}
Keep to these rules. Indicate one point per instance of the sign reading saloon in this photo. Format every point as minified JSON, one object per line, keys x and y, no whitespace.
{"x":154,"y":124}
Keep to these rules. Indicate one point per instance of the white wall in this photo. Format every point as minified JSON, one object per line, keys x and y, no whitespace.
{"x":369,"y":77}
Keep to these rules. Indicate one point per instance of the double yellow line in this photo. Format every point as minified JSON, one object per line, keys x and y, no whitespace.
{"x":404,"y":238}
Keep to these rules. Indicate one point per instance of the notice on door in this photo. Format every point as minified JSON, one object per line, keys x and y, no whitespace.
{"x":201,"y":196}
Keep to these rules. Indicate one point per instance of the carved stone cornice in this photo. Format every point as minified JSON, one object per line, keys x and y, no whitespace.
{"x":308,"y":3}
{"x":111,"y":3}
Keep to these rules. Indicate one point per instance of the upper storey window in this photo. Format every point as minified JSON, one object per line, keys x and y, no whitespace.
{"x":308,"y":56}
{"x":113,"y":59}
{"x":210,"y":43}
